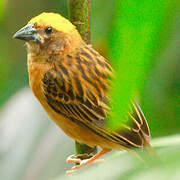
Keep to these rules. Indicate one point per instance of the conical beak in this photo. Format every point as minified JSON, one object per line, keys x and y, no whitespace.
{"x":27,"y":33}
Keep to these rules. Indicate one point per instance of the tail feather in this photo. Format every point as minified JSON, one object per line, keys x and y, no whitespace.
{"x":137,"y":134}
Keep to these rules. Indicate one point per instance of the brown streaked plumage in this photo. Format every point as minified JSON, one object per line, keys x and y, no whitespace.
{"x":70,"y":79}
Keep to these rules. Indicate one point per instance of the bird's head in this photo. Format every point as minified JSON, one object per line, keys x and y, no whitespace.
{"x":48,"y":31}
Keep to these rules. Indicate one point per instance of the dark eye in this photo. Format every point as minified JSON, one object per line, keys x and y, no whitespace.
{"x":48,"y":30}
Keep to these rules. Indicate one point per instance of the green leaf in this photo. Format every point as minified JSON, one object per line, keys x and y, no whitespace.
{"x":138,"y":34}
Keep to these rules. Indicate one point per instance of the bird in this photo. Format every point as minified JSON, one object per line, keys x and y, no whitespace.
{"x":71,"y":80}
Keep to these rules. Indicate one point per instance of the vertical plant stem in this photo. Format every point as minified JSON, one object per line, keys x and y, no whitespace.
{"x":79,"y":13}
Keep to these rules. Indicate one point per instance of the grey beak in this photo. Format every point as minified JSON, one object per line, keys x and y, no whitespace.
{"x":27,"y":33}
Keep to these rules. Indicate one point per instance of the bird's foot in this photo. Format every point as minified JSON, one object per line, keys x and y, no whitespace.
{"x":83,"y":162}
{"x":77,"y":158}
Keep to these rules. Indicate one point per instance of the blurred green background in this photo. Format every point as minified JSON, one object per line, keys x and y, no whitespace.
{"x":160,"y":100}
{"x":160,"y":97}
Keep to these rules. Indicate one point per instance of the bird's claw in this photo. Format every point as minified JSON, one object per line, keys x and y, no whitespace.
{"x":77,"y":158}
{"x":73,"y":159}
{"x":82,"y":163}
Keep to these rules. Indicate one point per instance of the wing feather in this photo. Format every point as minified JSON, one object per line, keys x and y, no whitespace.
{"x":79,"y":93}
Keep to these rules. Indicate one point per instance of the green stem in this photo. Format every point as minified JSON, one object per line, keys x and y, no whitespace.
{"x":79,"y":13}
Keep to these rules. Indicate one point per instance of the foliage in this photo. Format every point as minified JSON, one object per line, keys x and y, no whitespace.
{"x":138,"y":34}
